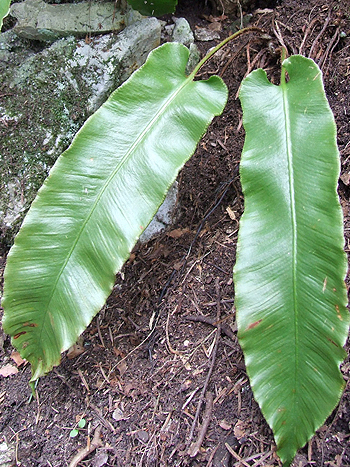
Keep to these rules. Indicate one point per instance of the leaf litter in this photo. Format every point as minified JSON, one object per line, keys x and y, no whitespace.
{"x":140,"y":411}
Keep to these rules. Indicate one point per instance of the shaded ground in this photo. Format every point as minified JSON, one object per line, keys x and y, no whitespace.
{"x":139,"y":389}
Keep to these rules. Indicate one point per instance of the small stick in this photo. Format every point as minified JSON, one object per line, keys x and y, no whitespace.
{"x":83,"y":453}
{"x":38,"y":412}
{"x":230,"y":60}
{"x":277,"y":32}
{"x":213,"y":358}
{"x":99,"y":333}
{"x":80,"y":373}
{"x":262,"y":458}
{"x":171,"y":349}
{"x":193,"y":451}
{"x":332,"y":44}
{"x":308,"y":29}
{"x":211,"y":457}
{"x":320,"y":34}
{"x":103,"y":420}
{"x":206,"y":320}
{"x":235,"y":455}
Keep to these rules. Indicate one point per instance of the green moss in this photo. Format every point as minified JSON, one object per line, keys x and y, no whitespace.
{"x":38,"y":120}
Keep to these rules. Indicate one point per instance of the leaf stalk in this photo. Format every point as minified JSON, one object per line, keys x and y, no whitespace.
{"x":222,"y":44}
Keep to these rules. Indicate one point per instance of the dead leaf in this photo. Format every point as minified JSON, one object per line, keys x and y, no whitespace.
{"x":177,"y":233}
{"x":345,"y":178}
{"x":118,"y":415}
{"x":142,"y":436}
{"x":224,"y":425}
{"x":231,"y":213}
{"x":100,"y":460}
{"x":131,"y":257}
{"x":263,"y":11}
{"x":345,"y":207}
{"x":177,"y":266}
{"x":119,"y":353}
{"x":240,"y":429}
{"x":75,"y":351}
{"x":131,"y":389}
{"x":186,"y":385}
{"x":215,"y":26}
{"x":122,"y":367}
{"x":213,"y":19}
{"x":17,"y":358}
{"x":8,"y":370}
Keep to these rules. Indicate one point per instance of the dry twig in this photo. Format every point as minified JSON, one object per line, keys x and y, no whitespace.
{"x":236,"y":456}
{"x":205,"y":319}
{"x":83,"y":453}
{"x":331,"y":46}
{"x":307,"y":31}
{"x":320,"y":33}
{"x":278,"y":34}
{"x":193,"y":451}
{"x":213,"y":358}
{"x":171,"y":349}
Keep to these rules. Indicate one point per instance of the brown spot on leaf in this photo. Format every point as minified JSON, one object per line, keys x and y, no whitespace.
{"x":16,"y":336}
{"x":338,"y":313}
{"x":253,"y":325}
{"x":30,"y":325}
{"x":332,"y":341}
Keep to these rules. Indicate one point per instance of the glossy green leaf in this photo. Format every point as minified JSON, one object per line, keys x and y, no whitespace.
{"x":4,"y":10}
{"x":99,"y":197}
{"x":82,"y":423}
{"x":290,"y":269}
{"x":154,"y":7}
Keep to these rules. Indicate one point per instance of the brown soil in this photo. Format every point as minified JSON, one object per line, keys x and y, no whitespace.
{"x":139,"y":389}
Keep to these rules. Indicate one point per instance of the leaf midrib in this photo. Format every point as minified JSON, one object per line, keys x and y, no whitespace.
{"x":106,"y":184}
{"x":289,"y":152}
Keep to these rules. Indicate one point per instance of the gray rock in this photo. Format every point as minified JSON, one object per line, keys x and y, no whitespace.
{"x":7,"y":455}
{"x":45,"y":99}
{"x":203,"y":34}
{"x":164,"y":217}
{"x":182,"y":32}
{"x":193,"y":59}
{"x":169,"y":28}
{"x":37,"y":20}
{"x":12,"y":46}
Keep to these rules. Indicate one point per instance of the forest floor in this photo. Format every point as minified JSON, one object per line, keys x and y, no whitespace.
{"x":138,"y":373}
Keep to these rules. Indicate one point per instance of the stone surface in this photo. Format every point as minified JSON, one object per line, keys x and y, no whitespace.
{"x":164,"y":217}
{"x":193,"y":59}
{"x":37,"y":20}
{"x":7,"y":455}
{"x":182,"y":32}
{"x":204,"y":35}
{"x":45,"y":98}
